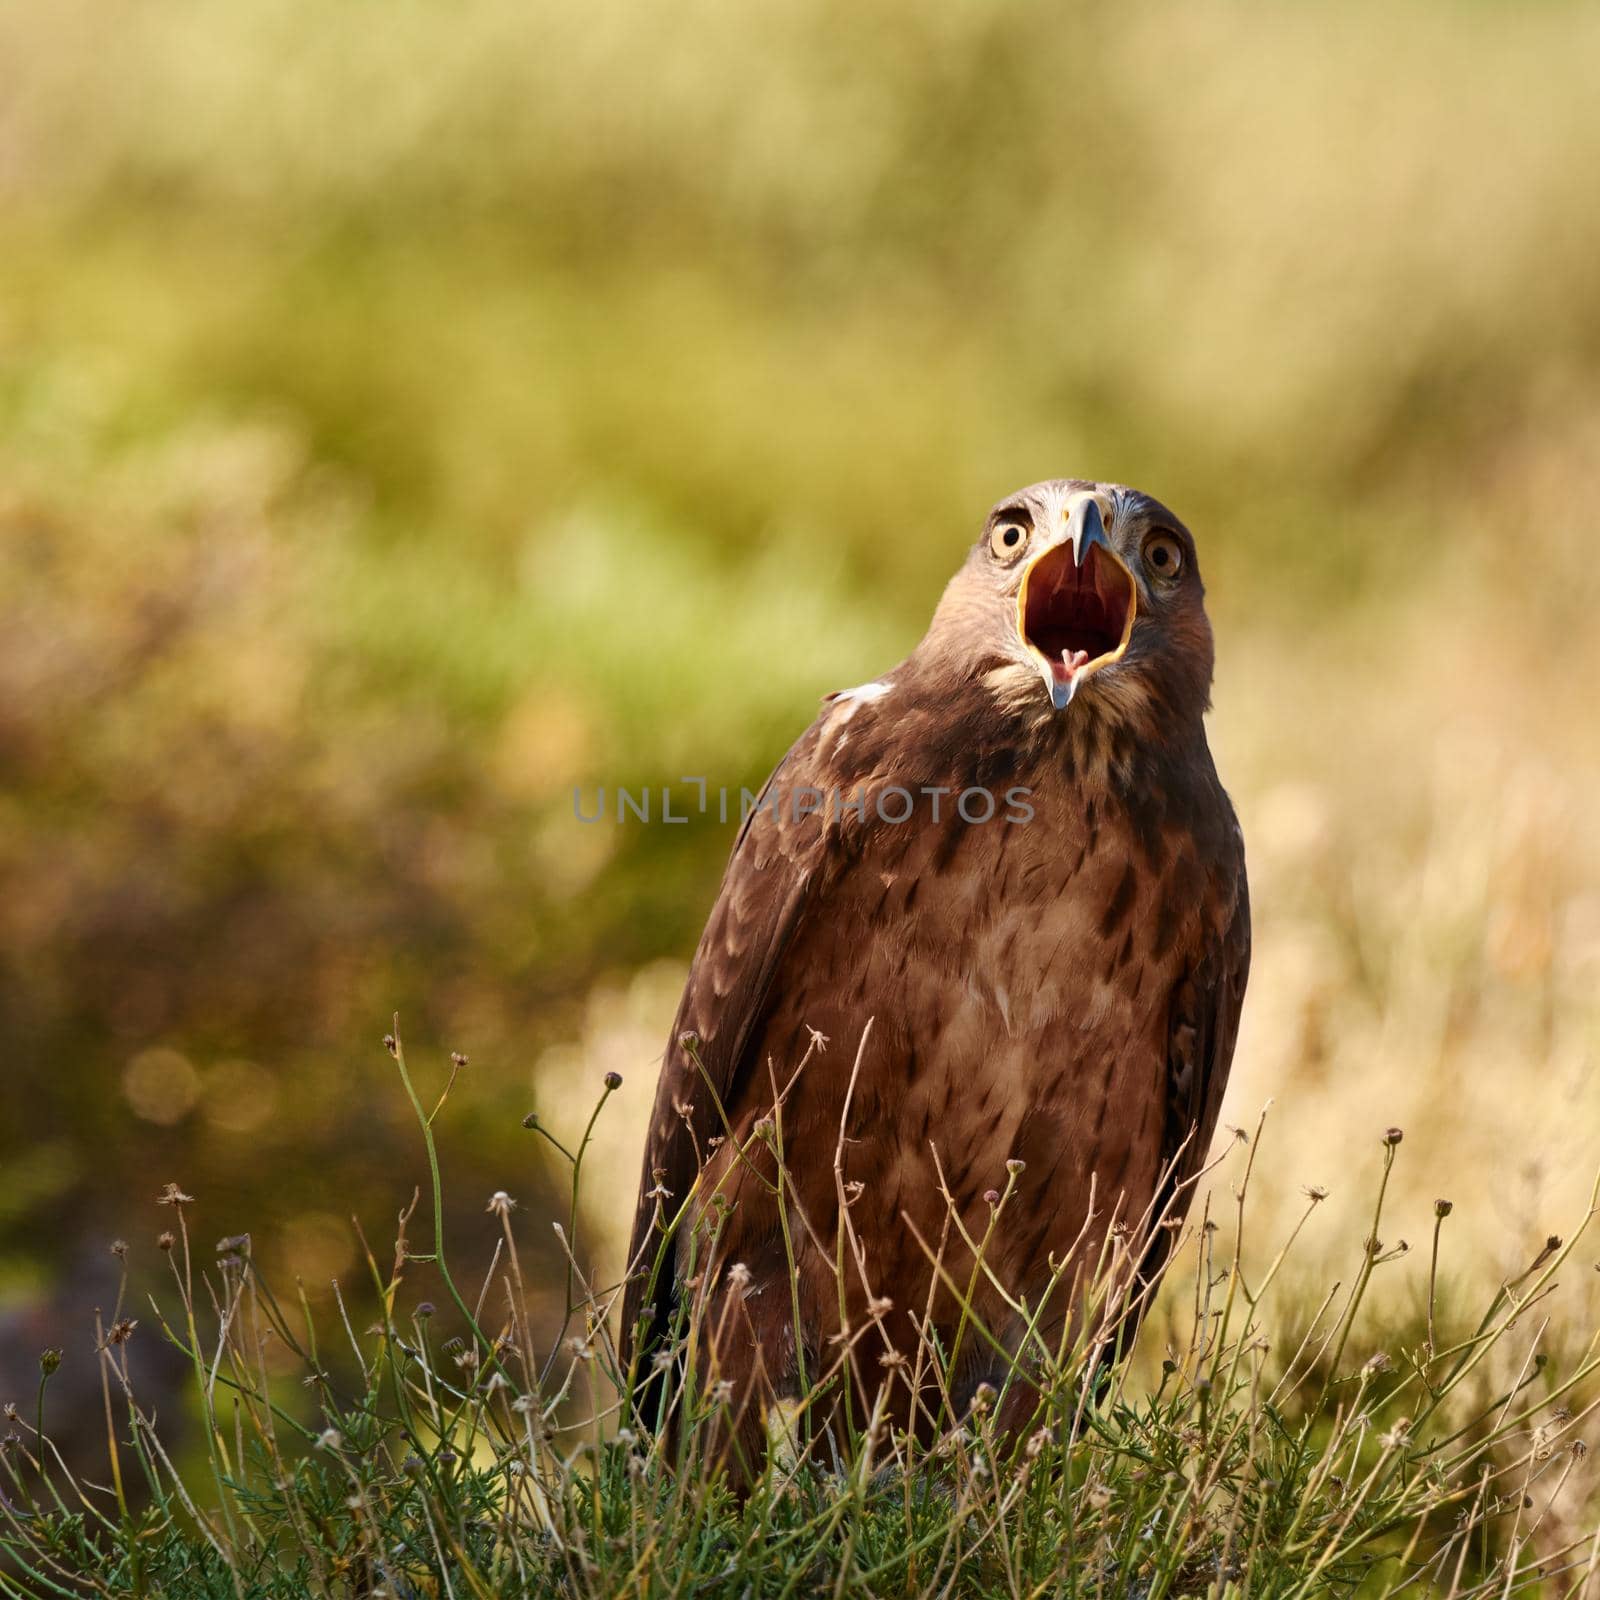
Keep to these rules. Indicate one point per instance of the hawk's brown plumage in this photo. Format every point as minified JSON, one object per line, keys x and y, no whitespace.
{"x":1061,"y":990}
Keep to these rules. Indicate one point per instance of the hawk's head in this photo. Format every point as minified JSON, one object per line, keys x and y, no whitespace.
{"x":1080,"y":599}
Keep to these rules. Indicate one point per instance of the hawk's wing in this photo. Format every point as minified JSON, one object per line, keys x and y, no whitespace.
{"x":1202,"y":1027}
{"x":773,"y":878}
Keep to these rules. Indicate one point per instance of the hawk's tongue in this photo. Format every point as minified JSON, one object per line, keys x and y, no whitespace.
{"x":1072,"y":663}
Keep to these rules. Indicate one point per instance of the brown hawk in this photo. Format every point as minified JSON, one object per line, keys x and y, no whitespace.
{"x":1013,"y":855}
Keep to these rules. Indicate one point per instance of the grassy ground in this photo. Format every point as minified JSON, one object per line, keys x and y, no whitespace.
{"x":447,"y":1450}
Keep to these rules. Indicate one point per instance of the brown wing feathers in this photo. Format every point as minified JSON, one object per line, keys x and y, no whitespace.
{"x":765,"y":892}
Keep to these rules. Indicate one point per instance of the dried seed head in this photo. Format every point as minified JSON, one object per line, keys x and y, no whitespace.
{"x":172,"y":1195}
{"x":329,"y":1439}
{"x":531,"y":1120}
{"x":1393,"y":1136}
{"x":1016,"y":1168}
{"x":501,"y":1204}
{"x":236,"y":1244}
{"x":425,"y":1308}
{"x":120,"y":1331}
{"x":165,"y":1241}
{"x":119,"y":1248}
{"x":391,"y":1044}
{"x":983,"y":1398}
{"x":1443,"y":1208}
{"x":1315,"y":1193}
{"x":457,"y":1060}
{"x":613,"y":1080}
{"x":722,"y":1391}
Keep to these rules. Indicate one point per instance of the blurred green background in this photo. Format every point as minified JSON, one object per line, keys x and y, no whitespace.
{"x":409,"y":413}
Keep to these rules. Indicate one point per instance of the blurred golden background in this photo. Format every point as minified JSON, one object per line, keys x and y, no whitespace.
{"x":410,"y":414}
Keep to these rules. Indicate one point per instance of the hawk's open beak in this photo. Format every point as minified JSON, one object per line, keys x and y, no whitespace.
{"x":1076,"y":604}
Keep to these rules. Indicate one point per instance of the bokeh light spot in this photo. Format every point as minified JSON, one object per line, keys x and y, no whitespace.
{"x":240,"y":1097}
{"x":161,"y":1086}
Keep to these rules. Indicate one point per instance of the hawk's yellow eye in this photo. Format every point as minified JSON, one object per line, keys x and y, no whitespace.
{"x":1007,"y":539}
{"x":1163,"y":555}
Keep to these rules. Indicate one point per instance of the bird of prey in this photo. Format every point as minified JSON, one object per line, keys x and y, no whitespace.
{"x":1013,"y":856}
